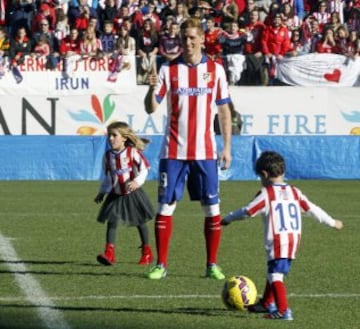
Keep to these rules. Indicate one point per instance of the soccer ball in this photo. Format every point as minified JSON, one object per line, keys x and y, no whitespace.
{"x":239,"y":292}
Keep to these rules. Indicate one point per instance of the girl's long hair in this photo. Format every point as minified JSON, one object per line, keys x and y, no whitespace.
{"x":131,"y":138}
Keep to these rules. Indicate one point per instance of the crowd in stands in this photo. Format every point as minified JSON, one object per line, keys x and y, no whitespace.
{"x":248,"y":37}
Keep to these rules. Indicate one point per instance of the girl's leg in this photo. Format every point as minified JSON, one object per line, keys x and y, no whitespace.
{"x":108,"y":257}
{"x":146,"y":253}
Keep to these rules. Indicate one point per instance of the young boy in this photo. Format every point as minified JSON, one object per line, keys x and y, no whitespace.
{"x":280,"y":205}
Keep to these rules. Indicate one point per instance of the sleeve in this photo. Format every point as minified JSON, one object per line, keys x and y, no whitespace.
{"x":256,"y":206}
{"x":106,"y":184}
{"x":222,"y":95}
{"x":142,"y":167}
{"x":316,"y":212}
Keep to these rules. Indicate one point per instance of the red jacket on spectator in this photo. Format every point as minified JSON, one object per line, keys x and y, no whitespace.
{"x":275,"y":40}
{"x":255,"y":44}
{"x":69,"y":44}
{"x":47,"y":12}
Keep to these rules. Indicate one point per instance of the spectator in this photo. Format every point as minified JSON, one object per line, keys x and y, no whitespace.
{"x":230,"y":13}
{"x":4,"y":43}
{"x":341,"y":39}
{"x":213,"y":46}
{"x":125,"y":44}
{"x":45,"y":12}
{"x":254,"y":73}
{"x":233,"y":42}
{"x":273,"y":11}
{"x":353,"y":23}
{"x":122,"y":14}
{"x":170,"y":44}
{"x":327,"y":44}
{"x":108,"y":13}
{"x":20,"y":46}
{"x":244,"y":18}
{"x":288,"y":17}
{"x":53,"y":42}
{"x":310,"y":34}
{"x":169,"y":10}
{"x":181,"y":13}
{"x":147,"y":46}
{"x":296,"y":47}
{"x":77,"y":10}
{"x":70,"y":52}
{"x":275,"y":44}
{"x":108,"y":38}
{"x":263,"y":6}
{"x":20,"y":14}
{"x":334,"y":22}
{"x":90,"y":46}
{"x":298,"y":8}
{"x":353,"y":44}
{"x":62,"y":28}
{"x":82,"y":19}
{"x":41,"y":49}
{"x":322,"y":15}
{"x":166,"y":24}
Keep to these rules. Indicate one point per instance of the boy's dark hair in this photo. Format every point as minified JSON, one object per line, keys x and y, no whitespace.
{"x":270,"y":162}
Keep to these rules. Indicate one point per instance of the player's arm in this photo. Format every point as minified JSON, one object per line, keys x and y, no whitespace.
{"x":224,"y":114}
{"x":150,"y":101}
{"x":322,"y":216}
{"x":239,"y":214}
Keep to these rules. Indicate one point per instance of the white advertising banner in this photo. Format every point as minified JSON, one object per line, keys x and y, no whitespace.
{"x":265,"y":111}
{"x":313,"y":70}
{"x":84,"y":76}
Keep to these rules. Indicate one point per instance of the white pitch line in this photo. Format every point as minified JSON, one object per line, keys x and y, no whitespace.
{"x":99,"y":297}
{"x":45,"y":308}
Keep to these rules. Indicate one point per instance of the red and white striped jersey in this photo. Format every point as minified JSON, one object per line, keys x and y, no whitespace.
{"x":122,"y":167}
{"x":192,"y":93}
{"x":281,"y":207}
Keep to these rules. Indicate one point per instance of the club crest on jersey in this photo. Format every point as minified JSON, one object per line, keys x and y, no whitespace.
{"x":208,"y":77}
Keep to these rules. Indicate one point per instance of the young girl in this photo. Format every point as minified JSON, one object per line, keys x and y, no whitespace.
{"x":126,"y":170}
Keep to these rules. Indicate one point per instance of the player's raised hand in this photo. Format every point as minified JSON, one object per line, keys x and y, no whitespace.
{"x":153,"y":78}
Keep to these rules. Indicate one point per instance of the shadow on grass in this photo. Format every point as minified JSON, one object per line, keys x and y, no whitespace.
{"x":176,"y":310}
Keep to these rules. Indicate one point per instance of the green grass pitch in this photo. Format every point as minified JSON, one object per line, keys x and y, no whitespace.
{"x":51,"y":227}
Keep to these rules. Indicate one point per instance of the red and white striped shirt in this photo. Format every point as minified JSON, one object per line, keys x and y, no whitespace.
{"x":281,"y":206}
{"x":191,"y":92}
{"x":122,"y":167}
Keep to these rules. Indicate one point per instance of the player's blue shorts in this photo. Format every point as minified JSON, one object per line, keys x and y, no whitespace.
{"x":281,"y":265}
{"x":201,"y":177}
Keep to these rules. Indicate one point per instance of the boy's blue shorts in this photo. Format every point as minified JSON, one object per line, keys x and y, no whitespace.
{"x":201,"y":177}
{"x":281,"y":265}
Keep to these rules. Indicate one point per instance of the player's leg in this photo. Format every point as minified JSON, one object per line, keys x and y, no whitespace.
{"x":203,"y":185}
{"x":172,"y":175}
{"x":277,"y":269}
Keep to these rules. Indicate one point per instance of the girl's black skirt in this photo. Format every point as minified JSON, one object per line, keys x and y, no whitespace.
{"x":132,"y":209}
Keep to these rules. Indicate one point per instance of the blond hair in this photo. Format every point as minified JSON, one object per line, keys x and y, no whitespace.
{"x":131,"y":138}
{"x":192,"y":23}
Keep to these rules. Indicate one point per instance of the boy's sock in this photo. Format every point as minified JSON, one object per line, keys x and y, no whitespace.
{"x":163,"y":230}
{"x":268,"y":296}
{"x":280,"y":296}
{"x":212,"y":232}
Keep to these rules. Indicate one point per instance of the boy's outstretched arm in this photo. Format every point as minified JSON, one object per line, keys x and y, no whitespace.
{"x":338,"y":224}
{"x":239,"y":214}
